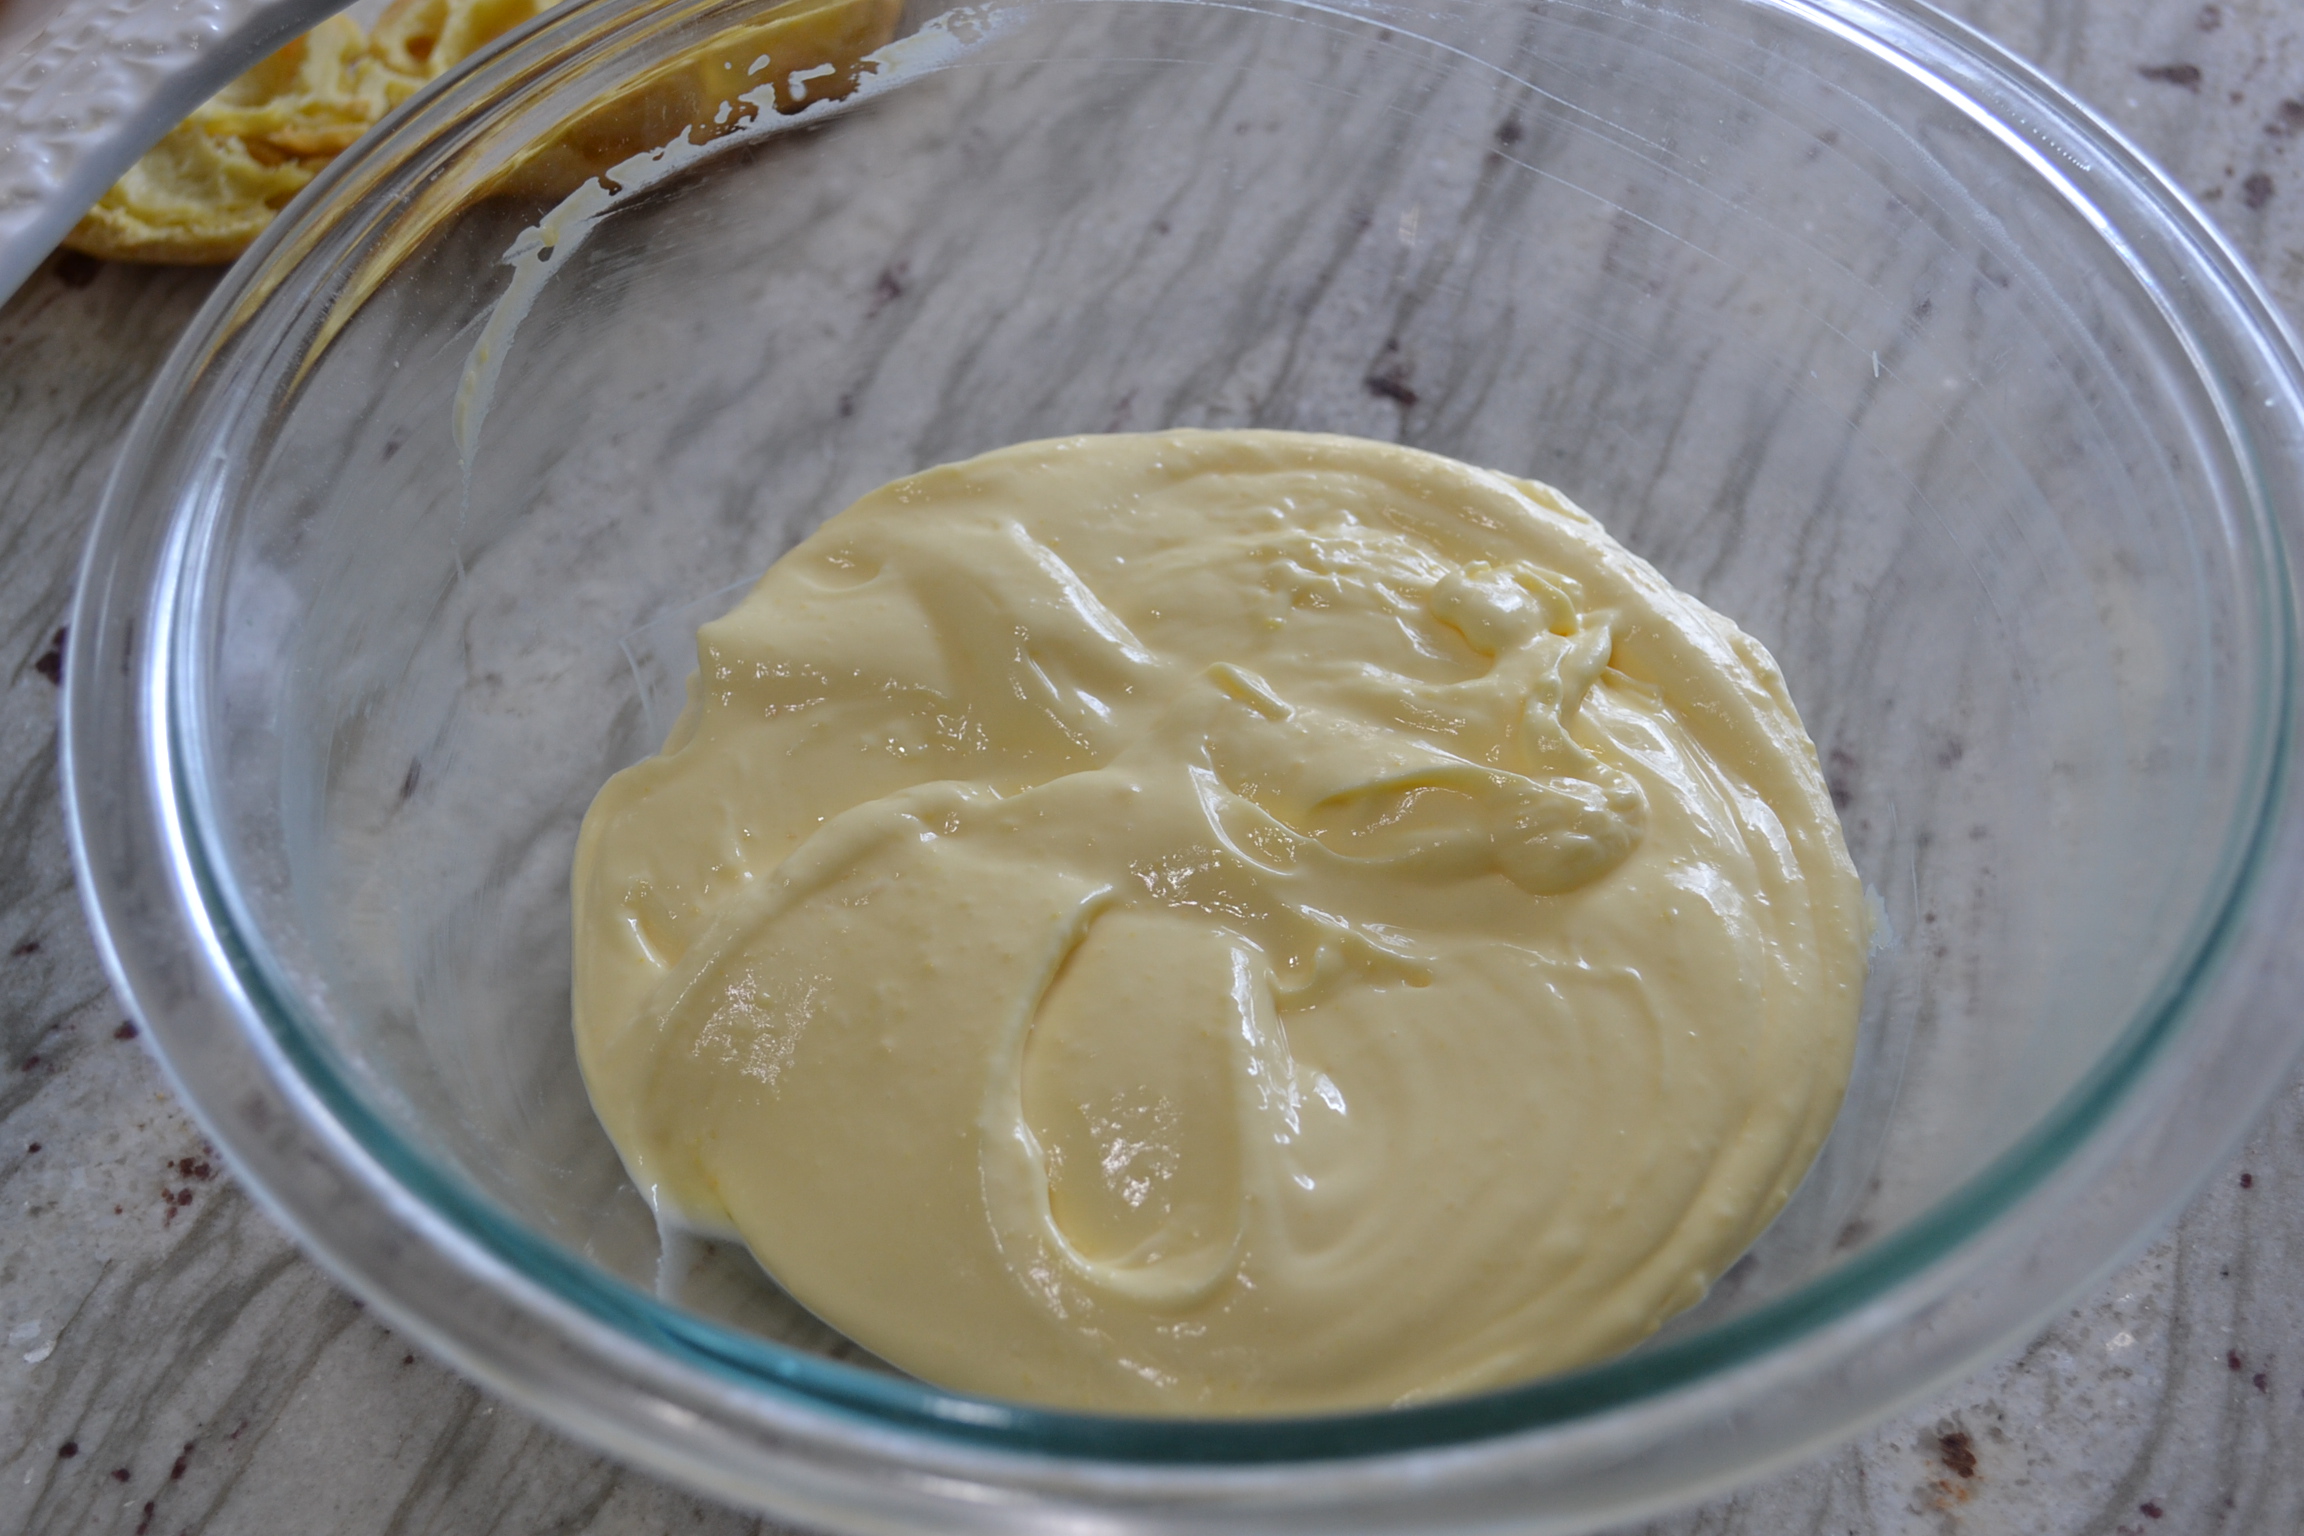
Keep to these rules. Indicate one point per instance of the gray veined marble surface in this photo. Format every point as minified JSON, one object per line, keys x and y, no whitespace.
{"x":169,"y":1362}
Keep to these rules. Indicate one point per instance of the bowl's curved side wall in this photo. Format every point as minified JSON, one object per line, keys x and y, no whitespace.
{"x":605,"y":1363}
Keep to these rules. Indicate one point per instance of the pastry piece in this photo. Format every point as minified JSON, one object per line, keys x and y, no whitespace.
{"x":206,"y":191}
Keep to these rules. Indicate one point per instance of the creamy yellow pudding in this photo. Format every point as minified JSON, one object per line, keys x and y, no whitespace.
{"x":1222,"y":922}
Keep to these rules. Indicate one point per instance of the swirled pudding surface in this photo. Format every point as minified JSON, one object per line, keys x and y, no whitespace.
{"x":1222,"y":922}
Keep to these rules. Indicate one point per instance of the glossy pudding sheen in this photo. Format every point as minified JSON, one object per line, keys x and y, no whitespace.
{"x":1223,"y":922}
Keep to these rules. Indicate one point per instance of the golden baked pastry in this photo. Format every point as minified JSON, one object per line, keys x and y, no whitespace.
{"x":427,"y":38}
{"x":203,"y":193}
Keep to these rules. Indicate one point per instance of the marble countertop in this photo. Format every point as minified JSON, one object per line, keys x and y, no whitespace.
{"x":172,"y":1363}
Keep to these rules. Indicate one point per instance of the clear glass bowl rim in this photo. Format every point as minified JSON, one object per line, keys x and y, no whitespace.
{"x":1960,"y":66}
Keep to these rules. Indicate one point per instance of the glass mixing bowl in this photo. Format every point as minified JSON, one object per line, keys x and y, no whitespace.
{"x":1853,"y":324}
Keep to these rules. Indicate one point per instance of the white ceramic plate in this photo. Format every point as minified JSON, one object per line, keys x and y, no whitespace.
{"x":86,"y":86}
